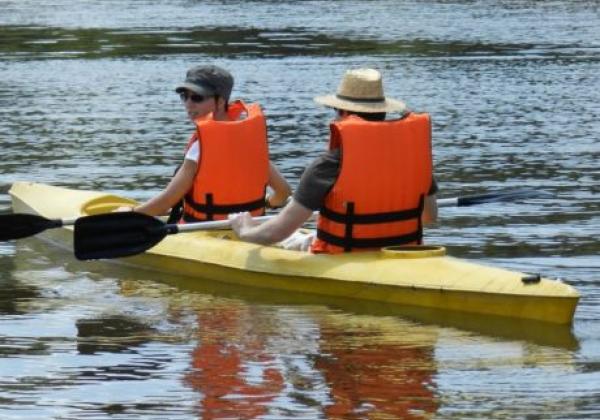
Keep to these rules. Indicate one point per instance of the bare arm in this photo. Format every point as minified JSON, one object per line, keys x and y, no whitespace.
{"x":430,"y":210}
{"x":277,"y":229}
{"x":281,"y":188}
{"x":180,"y":184}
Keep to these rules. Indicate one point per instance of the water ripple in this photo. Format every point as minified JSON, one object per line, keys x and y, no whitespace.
{"x":87,"y":101}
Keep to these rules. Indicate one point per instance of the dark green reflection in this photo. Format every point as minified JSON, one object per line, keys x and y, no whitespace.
{"x":55,"y":42}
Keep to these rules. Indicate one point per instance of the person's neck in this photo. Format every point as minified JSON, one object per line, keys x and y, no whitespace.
{"x":220,"y":115}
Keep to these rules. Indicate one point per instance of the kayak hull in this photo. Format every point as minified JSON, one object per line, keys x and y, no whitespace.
{"x":423,"y":278}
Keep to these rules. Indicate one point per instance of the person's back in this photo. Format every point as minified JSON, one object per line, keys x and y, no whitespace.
{"x":373,"y":188}
{"x":384,"y":176}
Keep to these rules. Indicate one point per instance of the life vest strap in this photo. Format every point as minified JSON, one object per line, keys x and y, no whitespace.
{"x":349,"y":243}
{"x":188,"y":218}
{"x":210,"y":209}
{"x":350,"y":219}
{"x":367,"y":219}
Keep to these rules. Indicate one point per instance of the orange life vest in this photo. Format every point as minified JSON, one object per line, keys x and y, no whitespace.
{"x":385,"y":175}
{"x":233,"y":170}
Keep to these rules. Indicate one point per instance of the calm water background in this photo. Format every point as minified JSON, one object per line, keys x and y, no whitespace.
{"x":87,"y":101}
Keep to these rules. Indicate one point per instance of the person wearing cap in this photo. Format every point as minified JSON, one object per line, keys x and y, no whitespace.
{"x":226,"y":166}
{"x":373,"y":188}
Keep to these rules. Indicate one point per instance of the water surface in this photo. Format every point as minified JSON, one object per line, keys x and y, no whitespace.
{"x":87,"y":101}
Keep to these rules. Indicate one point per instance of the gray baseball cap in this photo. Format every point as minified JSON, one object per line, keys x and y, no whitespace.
{"x":208,"y":80}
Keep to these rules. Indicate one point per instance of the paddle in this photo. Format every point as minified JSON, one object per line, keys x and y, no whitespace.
{"x":114,"y":235}
{"x":20,"y":225}
{"x":499,"y":196}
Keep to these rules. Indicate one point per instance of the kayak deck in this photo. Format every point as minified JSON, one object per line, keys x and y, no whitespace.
{"x":423,"y":277}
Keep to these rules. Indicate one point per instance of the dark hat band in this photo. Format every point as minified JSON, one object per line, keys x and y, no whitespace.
{"x":367,"y":100}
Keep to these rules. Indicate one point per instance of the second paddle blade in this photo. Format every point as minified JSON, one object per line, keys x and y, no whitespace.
{"x":20,"y":225}
{"x":502,"y":196}
{"x":114,"y":235}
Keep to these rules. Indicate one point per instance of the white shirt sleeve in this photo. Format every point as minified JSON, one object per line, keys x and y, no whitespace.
{"x":193,"y":153}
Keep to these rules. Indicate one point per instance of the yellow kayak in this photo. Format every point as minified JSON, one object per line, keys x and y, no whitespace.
{"x":414,"y":276}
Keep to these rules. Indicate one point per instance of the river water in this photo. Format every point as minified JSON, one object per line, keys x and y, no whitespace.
{"x":87,"y":101}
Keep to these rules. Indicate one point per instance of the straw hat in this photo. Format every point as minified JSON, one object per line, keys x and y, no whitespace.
{"x":361,"y":90}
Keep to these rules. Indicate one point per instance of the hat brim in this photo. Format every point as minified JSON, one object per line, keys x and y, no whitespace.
{"x":200,"y":90}
{"x":387,"y":105}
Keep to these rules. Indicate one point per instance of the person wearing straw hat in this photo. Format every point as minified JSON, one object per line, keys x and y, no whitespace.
{"x":373,"y":188}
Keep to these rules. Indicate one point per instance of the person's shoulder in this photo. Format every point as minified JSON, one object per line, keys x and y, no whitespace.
{"x":318,"y":178}
{"x":326,"y":162}
{"x":333,"y":154}
{"x":330,"y":156}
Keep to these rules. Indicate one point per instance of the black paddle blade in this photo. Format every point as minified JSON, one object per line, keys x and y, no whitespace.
{"x":21,"y":225}
{"x":114,"y":235}
{"x":512,"y":195}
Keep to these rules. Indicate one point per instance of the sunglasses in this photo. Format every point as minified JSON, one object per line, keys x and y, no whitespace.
{"x":193,"y":97}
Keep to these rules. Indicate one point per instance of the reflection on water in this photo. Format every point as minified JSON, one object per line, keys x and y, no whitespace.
{"x":227,"y":351}
{"x":42,"y":42}
{"x":115,"y":333}
{"x":385,"y":370}
{"x":12,"y":296}
{"x":87,"y":101}
{"x":235,"y":374}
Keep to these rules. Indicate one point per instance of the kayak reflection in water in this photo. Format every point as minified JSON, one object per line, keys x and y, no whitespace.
{"x":228,"y":147}
{"x":373,"y":188}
